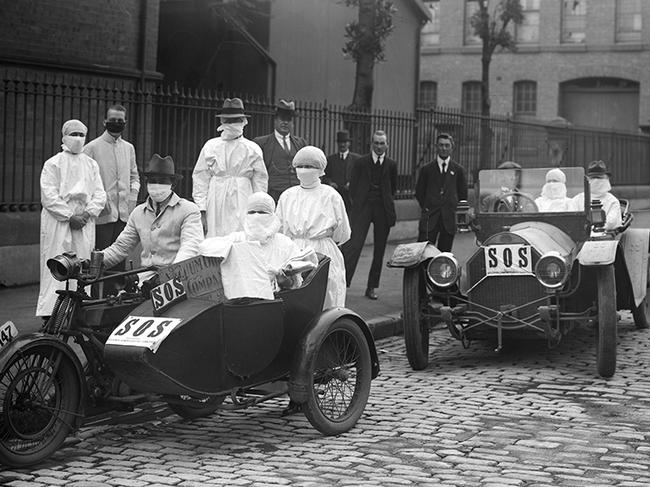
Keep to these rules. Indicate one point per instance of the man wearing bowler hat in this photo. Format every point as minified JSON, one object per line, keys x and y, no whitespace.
{"x":599,"y":188}
{"x":228,"y":170}
{"x":279,"y":148}
{"x":339,"y":166}
{"x":167,"y":226}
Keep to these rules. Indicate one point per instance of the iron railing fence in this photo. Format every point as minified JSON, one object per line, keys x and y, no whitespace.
{"x":174,"y":121}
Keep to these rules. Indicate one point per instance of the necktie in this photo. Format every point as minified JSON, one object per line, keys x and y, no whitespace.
{"x":444,"y":168}
{"x":378,"y":161}
{"x":284,"y":144}
{"x":342,"y":156}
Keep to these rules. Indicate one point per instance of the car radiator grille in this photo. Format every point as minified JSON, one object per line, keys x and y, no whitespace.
{"x":495,"y":292}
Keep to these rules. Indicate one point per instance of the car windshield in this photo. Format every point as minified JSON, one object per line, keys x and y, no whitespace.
{"x":532,"y":190}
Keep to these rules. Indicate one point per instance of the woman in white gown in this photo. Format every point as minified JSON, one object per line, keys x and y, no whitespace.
{"x":313,"y":215}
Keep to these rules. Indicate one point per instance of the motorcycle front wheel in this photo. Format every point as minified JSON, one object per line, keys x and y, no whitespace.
{"x":40,"y":399}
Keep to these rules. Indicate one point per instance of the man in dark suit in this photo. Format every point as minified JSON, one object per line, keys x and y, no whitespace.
{"x":372,"y":188}
{"x":278,"y":149}
{"x":440,"y":186}
{"x":508,"y":198}
{"x":339,"y":167}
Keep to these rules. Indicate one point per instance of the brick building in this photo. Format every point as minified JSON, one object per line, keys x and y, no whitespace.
{"x":582,"y":60}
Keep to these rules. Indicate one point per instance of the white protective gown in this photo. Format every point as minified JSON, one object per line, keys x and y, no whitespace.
{"x":70,"y":185}
{"x":611,"y":207}
{"x":249,"y":267}
{"x":227,"y":172}
{"x":316,"y":218}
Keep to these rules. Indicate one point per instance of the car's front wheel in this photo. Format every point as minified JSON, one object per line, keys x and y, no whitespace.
{"x":606,"y":334}
{"x":416,"y":329}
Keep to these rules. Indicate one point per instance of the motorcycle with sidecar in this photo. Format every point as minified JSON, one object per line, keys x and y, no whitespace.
{"x":181,"y":342}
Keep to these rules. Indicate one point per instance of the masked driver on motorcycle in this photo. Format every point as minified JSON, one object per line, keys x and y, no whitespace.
{"x":168,"y":226}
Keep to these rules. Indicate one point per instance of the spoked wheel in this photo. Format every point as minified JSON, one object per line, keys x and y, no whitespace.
{"x":40,"y":402}
{"x":641,"y":313}
{"x":340,"y":375}
{"x":193,"y":409}
{"x":606,"y":335}
{"x":416,"y":329}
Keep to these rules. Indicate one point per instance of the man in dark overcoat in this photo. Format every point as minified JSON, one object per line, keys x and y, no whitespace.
{"x":441,"y":184}
{"x":373,"y":182}
{"x":339,"y":167}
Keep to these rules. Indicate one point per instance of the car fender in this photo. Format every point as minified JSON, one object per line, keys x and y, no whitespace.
{"x":313,"y":336}
{"x":635,"y":243}
{"x":597,"y":252}
{"x":24,"y":343}
{"x":412,"y":254}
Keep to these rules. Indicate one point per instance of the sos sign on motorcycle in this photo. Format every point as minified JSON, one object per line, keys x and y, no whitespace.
{"x":508,"y":259}
{"x":143,"y":331}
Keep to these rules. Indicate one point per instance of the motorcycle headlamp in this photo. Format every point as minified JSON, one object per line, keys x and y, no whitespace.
{"x":443,"y":270}
{"x":552,"y":270}
{"x":65,"y":266}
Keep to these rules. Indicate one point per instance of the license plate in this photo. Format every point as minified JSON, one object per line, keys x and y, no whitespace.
{"x":168,"y":293}
{"x":508,"y":259}
{"x":8,"y":333}
{"x":143,"y":331}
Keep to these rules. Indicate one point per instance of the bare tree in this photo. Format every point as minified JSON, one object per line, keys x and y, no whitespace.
{"x":492,"y":28}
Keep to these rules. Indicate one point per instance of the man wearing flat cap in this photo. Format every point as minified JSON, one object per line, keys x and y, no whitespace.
{"x":508,"y":198}
{"x":167,"y":226}
{"x":228,"y":170}
{"x":339,"y":166}
{"x":599,"y":189}
{"x":279,"y":148}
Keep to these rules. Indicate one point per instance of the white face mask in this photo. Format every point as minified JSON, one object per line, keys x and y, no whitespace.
{"x":159,"y":192}
{"x":599,"y":187}
{"x":308,"y":177}
{"x":73,"y":144}
{"x":230,"y":131}
{"x":554,"y":190}
{"x":261,"y":226}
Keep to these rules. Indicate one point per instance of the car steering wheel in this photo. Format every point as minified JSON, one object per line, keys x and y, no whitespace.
{"x":514,"y":204}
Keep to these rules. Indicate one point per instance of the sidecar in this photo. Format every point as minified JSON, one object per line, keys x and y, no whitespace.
{"x":202,"y":352}
{"x":533,"y":272}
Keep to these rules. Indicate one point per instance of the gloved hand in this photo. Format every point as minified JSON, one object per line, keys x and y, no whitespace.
{"x":77,"y":222}
{"x":148,"y":284}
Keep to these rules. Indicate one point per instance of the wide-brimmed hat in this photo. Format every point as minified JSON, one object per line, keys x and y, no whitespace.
{"x":597,"y":168}
{"x":232,"y":108}
{"x":343,"y":136}
{"x":161,"y":166}
{"x":286,"y":108}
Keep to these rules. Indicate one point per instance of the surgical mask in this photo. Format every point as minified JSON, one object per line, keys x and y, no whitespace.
{"x":554,"y":191}
{"x":230,"y":131}
{"x":159,"y":192}
{"x":599,"y":187}
{"x":115,"y":126}
{"x":309,"y":177}
{"x":261,"y":226}
{"x":73,"y":143}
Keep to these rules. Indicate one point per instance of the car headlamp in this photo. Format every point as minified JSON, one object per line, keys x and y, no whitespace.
{"x":443,"y":270}
{"x":552,"y":270}
{"x":65,"y":266}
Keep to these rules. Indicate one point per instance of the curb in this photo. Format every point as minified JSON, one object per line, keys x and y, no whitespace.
{"x":386,"y":326}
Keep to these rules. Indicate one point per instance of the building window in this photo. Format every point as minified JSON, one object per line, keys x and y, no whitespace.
{"x":628,"y":20}
{"x":574,"y":20}
{"x":528,"y":31}
{"x":431,"y":30}
{"x":428,"y":94}
{"x":471,"y":97}
{"x":524,"y":98}
{"x":471,"y":6}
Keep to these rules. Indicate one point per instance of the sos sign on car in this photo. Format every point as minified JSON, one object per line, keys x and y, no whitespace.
{"x":508,"y":259}
{"x":143,"y":331}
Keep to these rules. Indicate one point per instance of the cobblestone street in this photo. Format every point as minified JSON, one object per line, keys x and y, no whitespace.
{"x":525,"y":417}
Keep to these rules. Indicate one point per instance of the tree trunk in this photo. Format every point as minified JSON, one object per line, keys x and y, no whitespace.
{"x":486,"y":131}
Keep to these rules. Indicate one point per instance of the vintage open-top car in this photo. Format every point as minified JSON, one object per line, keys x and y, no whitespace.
{"x":185,"y":345}
{"x":533,"y":271}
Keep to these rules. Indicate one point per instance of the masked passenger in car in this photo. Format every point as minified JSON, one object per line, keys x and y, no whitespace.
{"x":600,"y":187}
{"x":554,"y":196}
{"x":254,"y":258}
